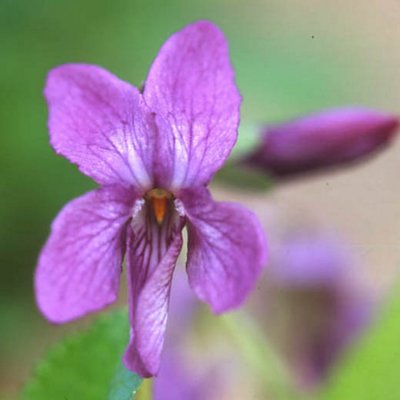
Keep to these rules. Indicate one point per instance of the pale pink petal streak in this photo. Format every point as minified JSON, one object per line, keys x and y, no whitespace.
{"x":191,"y":89}
{"x":80,"y":265}
{"x":100,"y":123}
{"x":226,"y":250}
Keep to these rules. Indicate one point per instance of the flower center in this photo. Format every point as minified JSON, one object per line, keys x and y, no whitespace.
{"x":159,"y":201}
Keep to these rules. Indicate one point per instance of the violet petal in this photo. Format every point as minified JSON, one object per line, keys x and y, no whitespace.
{"x":191,"y":89}
{"x":226,"y":250}
{"x":80,"y":265}
{"x":152,"y":256}
{"x":100,"y":123}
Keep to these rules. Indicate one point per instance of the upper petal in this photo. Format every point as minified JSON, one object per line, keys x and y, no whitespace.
{"x":226,"y":250}
{"x":325,"y":139}
{"x":191,"y":89}
{"x":152,"y":254}
{"x":100,"y":123}
{"x":79,"y":267}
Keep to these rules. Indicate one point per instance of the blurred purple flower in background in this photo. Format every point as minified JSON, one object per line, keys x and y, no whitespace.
{"x":316,"y":305}
{"x":177,"y":381}
{"x":329,"y":138}
{"x":153,"y":153}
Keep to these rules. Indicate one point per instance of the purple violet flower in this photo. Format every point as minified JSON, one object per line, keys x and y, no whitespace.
{"x":153,"y":153}
{"x":326,"y":139}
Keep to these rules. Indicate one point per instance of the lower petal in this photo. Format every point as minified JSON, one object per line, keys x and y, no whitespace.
{"x":226,"y":250}
{"x":79,"y":267}
{"x":149,"y":280}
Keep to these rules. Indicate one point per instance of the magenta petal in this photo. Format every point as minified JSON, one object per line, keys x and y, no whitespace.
{"x":79,"y":266}
{"x":191,"y":89}
{"x":226,"y":250}
{"x":152,"y":256}
{"x":100,"y":123}
{"x":325,"y":139}
{"x":150,"y":316}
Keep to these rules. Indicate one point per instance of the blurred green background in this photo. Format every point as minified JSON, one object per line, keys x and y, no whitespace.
{"x":290,"y":57}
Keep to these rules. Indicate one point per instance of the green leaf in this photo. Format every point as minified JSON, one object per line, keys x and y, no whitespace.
{"x":370,"y":371}
{"x":87,"y":365}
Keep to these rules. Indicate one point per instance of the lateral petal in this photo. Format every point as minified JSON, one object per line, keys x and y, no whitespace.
{"x":226,"y":250}
{"x":79,"y":267}
{"x":100,"y":123}
{"x":191,"y":89}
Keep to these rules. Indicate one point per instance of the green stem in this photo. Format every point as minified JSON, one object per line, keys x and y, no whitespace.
{"x":260,"y":356}
{"x":146,"y":390}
